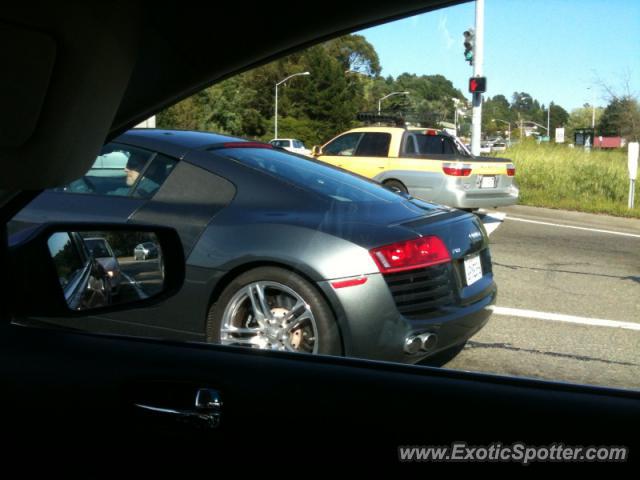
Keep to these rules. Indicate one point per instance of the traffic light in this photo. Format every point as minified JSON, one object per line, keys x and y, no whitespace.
{"x":469,"y":39}
{"x":478,"y":84}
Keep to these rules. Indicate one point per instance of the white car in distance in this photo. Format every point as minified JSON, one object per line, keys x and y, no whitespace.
{"x":291,"y":144}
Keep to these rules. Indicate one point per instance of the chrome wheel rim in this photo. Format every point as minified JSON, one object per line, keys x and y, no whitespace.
{"x":269,"y":316}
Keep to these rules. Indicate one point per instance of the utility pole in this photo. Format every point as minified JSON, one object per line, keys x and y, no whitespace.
{"x":478,"y":60}
{"x":593,"y":107}
{"x":548,"y":119}
{"x":521,"y":127}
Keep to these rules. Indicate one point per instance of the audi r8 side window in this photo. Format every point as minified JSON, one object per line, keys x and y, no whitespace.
{"x":154,"y":176}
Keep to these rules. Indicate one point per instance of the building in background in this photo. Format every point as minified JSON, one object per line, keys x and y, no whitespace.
{"x":148,"y":123}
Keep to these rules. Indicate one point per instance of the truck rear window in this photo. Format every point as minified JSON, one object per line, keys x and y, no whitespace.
{"x":435,"y":145}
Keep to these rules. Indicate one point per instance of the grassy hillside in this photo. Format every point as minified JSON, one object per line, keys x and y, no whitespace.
{"x":557,"y":176}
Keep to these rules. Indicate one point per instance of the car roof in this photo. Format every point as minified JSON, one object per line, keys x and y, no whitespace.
{"x":173,"y":142}
{"x":377,"y":129}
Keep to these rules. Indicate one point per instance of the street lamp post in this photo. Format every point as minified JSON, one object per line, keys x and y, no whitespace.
{"x":548,"y":122}
{"x":593,"y":107}
{"x":456,"y":101}
{"x":537,"y":124}
{"x":509,"y":126}
{"x":355,"y":71}
{"x":276,"y":109}
{"x":387,"y":96}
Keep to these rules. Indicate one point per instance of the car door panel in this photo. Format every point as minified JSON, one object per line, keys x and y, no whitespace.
{"x":379,"y":405}
{"x":75,"y":208}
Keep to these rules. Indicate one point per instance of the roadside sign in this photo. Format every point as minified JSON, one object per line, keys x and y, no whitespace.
{"x":559,"y":135}
{"x":633,"y":150}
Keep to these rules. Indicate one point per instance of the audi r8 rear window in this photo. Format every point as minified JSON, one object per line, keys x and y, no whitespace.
{"x":320,"y":178}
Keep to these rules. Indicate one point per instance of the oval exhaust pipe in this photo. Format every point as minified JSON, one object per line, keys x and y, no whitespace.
{"x":412,"y":344}
{"x":429,"y":341}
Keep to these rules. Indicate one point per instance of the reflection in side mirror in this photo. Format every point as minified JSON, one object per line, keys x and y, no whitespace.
{"x":316,"y":151}
{"x":104,"y":268}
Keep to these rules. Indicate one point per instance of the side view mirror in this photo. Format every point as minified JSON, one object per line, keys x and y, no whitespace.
{"x":316,"y":151}
{"x":55,"y":274}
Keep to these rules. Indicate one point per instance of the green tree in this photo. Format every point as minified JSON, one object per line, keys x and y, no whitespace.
{"x":493,"y":109}
{"x":355,"y":53}
{"x":621,"y":117}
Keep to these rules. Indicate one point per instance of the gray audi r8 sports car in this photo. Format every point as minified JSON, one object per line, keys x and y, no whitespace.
{"x":284,"y":252}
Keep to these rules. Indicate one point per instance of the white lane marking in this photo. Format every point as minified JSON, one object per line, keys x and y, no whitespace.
{"x":134,"y":284}
{"x":610,"y":232}
{"x":558,"y":317}
{"x":492,"y":221}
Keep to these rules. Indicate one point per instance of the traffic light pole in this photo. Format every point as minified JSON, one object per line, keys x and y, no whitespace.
{"x":478,"y":60}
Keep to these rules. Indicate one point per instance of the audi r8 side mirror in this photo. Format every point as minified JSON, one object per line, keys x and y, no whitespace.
{"x":316,"y":151}
{"x":75,"y":269}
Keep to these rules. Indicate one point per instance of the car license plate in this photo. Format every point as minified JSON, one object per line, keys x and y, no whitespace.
{"x":488,"y":181}
{"x":473,"y":269}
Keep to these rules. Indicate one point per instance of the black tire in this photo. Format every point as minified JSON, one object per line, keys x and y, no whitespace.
{"x":396,"y":186}
{"x":329,"y":339}
{"x":442,"y":358}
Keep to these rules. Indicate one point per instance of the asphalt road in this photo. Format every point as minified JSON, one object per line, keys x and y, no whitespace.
{"x":568,"y":305}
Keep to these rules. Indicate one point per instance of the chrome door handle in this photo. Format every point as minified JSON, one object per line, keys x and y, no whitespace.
{"x":207,"y":411}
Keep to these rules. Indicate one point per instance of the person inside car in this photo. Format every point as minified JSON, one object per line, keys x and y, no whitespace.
{"x":132,"y":169}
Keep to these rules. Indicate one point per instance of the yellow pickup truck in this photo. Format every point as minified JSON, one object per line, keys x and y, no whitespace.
{"x":426,"y":163}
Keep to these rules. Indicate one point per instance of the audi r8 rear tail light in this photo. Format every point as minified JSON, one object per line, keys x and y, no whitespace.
{"x":457,"y":169}
{"x":511,"y":170}
{"x":418,"y":253}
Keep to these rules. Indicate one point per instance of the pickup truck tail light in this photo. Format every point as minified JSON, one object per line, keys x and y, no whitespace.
{"x":412,"y":254}
{"x":511,"y":170}
{"x":457,"y":169}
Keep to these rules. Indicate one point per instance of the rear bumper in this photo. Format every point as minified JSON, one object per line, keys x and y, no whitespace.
{"x":459,"y":198}
{"x":373,"y":328}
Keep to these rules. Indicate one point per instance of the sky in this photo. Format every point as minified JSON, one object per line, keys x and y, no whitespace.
{"x":552,"y":49}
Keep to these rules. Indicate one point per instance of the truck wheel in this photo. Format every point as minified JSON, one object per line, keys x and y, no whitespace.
{"x":396,"y":186}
